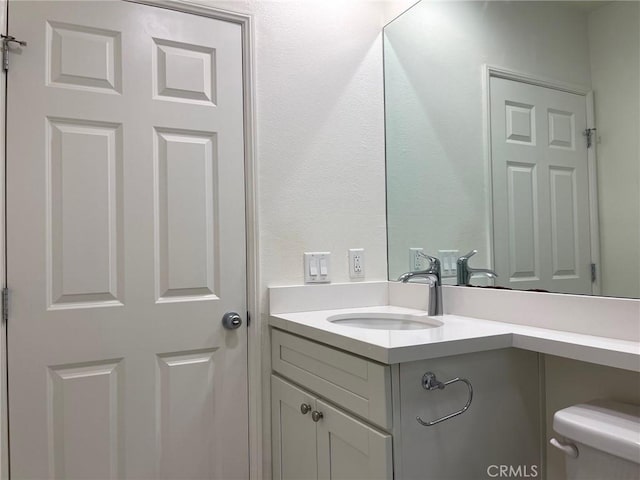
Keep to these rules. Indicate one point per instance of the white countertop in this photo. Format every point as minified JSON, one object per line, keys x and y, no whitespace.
{"x":457,"y":335}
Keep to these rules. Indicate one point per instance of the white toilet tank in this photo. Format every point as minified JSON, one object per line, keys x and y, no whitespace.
{"x":601,"y":440}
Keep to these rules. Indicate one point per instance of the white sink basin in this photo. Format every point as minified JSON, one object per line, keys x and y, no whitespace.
{"x":384,"y":321}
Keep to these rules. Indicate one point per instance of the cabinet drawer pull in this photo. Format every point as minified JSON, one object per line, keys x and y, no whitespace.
{"x":316,"y":416}
{"x":305,"y":408}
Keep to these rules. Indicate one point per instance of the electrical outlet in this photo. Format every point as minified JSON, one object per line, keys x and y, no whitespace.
{"x":356,"y":262}
{"x":415,"y":259}
{"x":317,"y":267}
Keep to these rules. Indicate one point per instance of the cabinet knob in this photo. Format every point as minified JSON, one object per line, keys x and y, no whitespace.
{"x":316,"y":416}
{"x":305,"y":408}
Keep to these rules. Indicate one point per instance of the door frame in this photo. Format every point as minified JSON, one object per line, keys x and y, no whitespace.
{"x":492,"y":71}
{"x":4,"y":412}
{"x":254,"y":330}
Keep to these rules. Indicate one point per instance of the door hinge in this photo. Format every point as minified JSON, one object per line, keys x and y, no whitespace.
{"x":6,"y":40}
{"x":593,"y":273}
{"x":590,"y":134}
{"x":5,"y":304}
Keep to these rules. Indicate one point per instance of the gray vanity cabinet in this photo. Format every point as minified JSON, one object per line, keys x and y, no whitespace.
{"x":339,"y":415}
{"x":501,"y":427}
{"x":331,"y":412}
{"x":360,"y":386}
{"x":313,"y":439}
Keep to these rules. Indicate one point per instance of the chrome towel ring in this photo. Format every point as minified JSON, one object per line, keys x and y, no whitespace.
{"x":430,"y":382}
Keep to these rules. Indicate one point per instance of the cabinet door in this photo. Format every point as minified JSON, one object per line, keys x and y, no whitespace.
{"x":293,"y":433}
{"x":349,"y":449}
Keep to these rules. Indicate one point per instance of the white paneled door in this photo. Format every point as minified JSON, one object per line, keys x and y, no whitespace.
{"x":540,"y":188}
{"x":126,"y":244}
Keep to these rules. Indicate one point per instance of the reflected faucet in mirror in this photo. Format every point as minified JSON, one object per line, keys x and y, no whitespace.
{"x":464,"y":272}
{"x":434,"y":279}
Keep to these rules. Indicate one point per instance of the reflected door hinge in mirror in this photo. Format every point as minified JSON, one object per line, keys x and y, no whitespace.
{"x":5,"y":304}
{"x":593,"y":273}
{"x":590,"y":134}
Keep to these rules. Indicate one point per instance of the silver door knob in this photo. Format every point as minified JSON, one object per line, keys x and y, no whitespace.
{"x":305,"y":408}
{"x":316,"y":416}
{"x":231,"y":320}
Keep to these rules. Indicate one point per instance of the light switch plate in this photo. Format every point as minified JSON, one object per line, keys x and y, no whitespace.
{"x":448,"y":259}
{"x":317,"y":267}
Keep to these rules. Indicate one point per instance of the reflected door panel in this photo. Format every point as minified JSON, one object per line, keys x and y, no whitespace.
{"x":540,"y":188}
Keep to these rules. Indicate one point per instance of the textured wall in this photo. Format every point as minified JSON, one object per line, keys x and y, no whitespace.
{"x":321,"y":137}
{"x":320,"y":125}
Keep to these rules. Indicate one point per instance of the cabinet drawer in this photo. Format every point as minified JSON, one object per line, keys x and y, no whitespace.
{"x":358,"y":385}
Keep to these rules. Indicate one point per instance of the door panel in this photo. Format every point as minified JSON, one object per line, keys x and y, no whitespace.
{"x":524,"y":244}
{"x":186,"y":441}
{"x":564,"y":223}
{"x":84,"y":58}
{"x":125,"y":243}
{"x":85,"y":410}
{"x":540,"y":188}
{"x":186,"y":179}
{"x":84,"y":199}
{"x":184,"y":72}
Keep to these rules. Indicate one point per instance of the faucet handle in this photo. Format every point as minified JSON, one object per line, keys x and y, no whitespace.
{"x":467,"y":256}
{"x":465,"y":272}
{"x":434,"y":262}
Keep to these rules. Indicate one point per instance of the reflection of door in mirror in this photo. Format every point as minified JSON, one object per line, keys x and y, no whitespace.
{"x":540,"y":187}
{"x":439,"y":57}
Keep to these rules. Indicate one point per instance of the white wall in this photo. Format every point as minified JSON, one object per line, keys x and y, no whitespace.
{"x":321,"y":137}
{"x":320,"y":125}
{"x":437,"y":170}
{"x":614,"y":44}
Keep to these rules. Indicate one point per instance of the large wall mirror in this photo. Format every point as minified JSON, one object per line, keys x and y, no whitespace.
{"x":512,"y":128}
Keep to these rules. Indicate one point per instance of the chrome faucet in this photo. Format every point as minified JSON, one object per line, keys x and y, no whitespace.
{"x":465,"y":272}
{"x":432,"y":275}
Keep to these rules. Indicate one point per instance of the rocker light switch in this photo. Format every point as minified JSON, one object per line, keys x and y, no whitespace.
{"x":323,"y":266}
{"x":317,"y":267}
{"x":313,"y":267}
